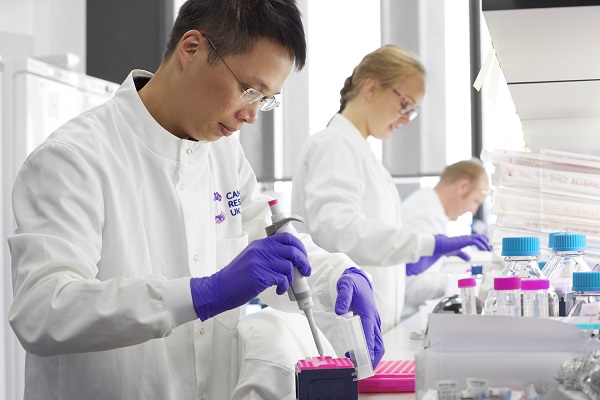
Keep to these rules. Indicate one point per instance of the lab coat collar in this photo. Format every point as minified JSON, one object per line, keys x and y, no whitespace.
{"x":143,"y":125}
{"x":344,"y":124}
{"x":341,"y":123}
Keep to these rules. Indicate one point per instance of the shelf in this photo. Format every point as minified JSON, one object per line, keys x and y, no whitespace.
{"x":546,"y":44}
{"x":490,"y":5}
{"x":556,"y":99}
{"x":548,"y":53}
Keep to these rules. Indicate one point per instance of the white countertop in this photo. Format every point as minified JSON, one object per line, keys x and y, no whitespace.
{"x":399,"y":346}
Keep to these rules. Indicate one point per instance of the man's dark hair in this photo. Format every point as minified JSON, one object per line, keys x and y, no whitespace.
{"x":234,"y":26}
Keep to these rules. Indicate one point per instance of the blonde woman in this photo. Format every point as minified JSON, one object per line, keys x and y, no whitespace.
{"x":347,"y":196}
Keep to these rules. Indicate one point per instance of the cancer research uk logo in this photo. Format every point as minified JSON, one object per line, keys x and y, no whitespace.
{"x":234,"y":202}
{"x":219,"y":218}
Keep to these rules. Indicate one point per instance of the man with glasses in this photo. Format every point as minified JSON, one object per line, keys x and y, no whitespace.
{"x":141,"y":229}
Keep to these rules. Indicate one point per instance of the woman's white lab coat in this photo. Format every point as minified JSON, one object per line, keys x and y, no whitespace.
{"x":114,"y":215}
{"x":351,"y":205}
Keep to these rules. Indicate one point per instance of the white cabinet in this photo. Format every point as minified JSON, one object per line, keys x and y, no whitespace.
{"x":550,"y":59}
{"x":36,"y":98}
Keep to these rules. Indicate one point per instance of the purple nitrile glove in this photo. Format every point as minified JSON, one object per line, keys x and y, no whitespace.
{"x":421,"y":265}
{"x":445,"y":244}
{"x":263,"y":263}
{"x":459,"y":254}
{"x":355,"y":294}
{"x":449,"y":246}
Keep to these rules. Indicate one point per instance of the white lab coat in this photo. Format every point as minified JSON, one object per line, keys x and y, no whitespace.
{"x":114,"y":215}
{"x":351,"y":205}
{"x":266,"y":347}
{"x":424,"y":210}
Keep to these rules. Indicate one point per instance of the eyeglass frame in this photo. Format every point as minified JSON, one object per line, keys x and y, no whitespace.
{"x":249,"y":95}
{"x":407,"y":108}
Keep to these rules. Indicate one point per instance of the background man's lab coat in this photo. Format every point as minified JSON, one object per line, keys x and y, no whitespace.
{"x":424,"y":210}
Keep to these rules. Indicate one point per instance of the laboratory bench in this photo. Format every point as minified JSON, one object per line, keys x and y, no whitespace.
{"x":398,"y":342}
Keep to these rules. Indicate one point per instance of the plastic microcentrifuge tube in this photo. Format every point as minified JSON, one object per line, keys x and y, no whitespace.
{"x":477,"y":273}
{"x":467,"y":295}
{"x":508,"y":290}
{"x":535,"y":297}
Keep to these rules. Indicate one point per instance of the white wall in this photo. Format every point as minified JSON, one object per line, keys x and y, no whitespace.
{"x":56,"y":26}
{"x":17,"y":16}
{"x":34,"y":28}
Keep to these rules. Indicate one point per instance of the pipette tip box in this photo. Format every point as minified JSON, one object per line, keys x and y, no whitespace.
{"x":390,"y":377}
{"x":326,"y":377}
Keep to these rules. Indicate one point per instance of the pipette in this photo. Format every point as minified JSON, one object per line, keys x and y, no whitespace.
{"x":299,"y":289}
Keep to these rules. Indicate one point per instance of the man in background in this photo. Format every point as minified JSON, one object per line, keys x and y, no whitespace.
{"x":462,"y":188}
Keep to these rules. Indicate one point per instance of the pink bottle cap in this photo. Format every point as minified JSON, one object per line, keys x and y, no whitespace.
{"x":507,"y":283}
{"x":273,"y":202}
{"x":535,"y":284}
{"x":467,"y":282}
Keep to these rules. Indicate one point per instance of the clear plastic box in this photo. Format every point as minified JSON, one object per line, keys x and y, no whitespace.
{"x":356,"y":344}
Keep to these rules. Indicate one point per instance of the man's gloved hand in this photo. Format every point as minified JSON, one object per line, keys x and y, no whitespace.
{"x":445,"y":244}
{"x":355,"y":294}
{"x":449,"y":246}
{"x":459,"y":254}
{"x":421,"y":265}
{"x":263,"y":263}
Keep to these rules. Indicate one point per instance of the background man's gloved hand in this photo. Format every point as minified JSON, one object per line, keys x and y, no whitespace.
{"x":449,"y":246}
{"x":445,"y":244}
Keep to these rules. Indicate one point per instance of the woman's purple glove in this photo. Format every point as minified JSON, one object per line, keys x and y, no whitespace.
{"x":355,"y":294}
{"x":449,"y":246}
{"x":263,"y":263}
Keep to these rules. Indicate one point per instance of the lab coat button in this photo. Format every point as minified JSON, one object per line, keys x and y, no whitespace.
{"x":181,"y":187}
{"x":196,"y":257}
{"x":202,"y":331}
{"x":189,"y":151}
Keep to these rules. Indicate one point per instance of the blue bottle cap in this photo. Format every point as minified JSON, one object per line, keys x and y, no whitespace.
{"x":551,"y":239}
{"x":520,"y":246}
{"x":476,"y":269}
{"x":570,"y":242}
{"x":586,"y":281}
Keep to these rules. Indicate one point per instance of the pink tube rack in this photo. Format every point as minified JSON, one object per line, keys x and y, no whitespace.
{"x":390,"y":377}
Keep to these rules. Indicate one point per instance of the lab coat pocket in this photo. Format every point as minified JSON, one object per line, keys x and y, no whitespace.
{"x":227,"y":250}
